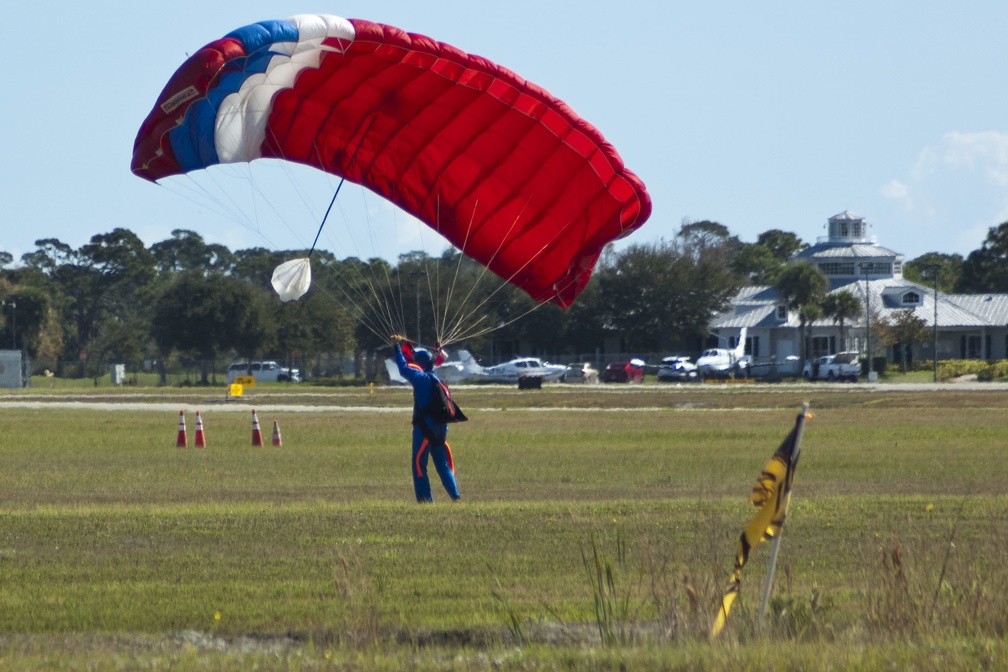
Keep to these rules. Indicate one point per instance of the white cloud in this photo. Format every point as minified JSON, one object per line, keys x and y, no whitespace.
{"x":954,"y":191}
{"x":897,"y":190}
{"x":926,"y":165}
{"x":962,"y":172}
{"x":957,"y":152}
{"x":985,"y":150}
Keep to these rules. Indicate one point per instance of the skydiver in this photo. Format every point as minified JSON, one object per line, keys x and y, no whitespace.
{"x":429,"y":434}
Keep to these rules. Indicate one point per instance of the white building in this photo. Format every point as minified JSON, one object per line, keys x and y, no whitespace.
{"x":969,"y":326}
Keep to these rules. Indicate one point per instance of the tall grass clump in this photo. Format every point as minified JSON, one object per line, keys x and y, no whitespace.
{"x":686,"y":580}
{"x":922,"y":593}
{"x":351,"y":614}
{"x":799,"y":617}
{"x":512,"y":618}
{"x":614,"y":596}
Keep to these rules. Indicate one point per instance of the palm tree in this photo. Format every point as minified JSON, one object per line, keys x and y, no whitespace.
{"x":807,"y":315}
{"x":802,"y":285}
{"x":842,"y":305}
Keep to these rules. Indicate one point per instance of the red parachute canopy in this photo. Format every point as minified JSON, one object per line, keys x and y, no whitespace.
{"x":506,"y":172}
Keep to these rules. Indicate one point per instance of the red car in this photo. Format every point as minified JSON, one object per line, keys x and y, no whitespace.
{"x":631,"y":371}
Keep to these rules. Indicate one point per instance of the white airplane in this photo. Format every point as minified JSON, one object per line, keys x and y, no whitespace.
{"x":393,"y":373}
{"x":724,"y":362}
{"x":449,"y":372}
{"x":522,"y":367}
{"x":467,"y":369}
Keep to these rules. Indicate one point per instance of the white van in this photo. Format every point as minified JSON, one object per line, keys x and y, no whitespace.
{"x":264,"y":372}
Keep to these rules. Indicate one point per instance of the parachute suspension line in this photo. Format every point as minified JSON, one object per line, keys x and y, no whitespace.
{"x":464,"y":334}
{"x":444,"y":333}
{"x":474,"y":332}
{"x":204,"y":197}
{"x":395,"y":306}
{"x":433,"y":292}
{"x":444,"y":328}
{"x":460,"y":317}
{"x":368,"y":293}
{"x":440,"y":317}
{"x":364,"y":292}
{"x":222,"y":201}
{"x":326,"y":216}
{"x":388,"y":308}
{"x":353,"y":158}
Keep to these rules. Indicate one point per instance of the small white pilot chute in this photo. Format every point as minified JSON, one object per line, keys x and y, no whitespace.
{"x":292,"y":279}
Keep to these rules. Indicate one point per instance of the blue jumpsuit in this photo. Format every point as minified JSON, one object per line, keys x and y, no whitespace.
{"x":422,"y":448}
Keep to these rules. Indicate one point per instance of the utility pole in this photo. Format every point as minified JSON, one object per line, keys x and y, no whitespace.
{"x":863,"y":267}
{"x":935,"y":269}
{"x":13,"y":314}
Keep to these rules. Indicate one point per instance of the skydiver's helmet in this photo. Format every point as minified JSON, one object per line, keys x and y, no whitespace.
{"x":423,"y":359}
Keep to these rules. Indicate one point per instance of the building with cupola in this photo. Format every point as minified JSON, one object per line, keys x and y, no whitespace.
{"x":967,"y":326}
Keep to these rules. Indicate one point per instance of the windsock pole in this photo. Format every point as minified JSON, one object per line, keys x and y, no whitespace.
{"x":183,"y":440}
{"x":200,"y":436}
{"x":277,"y":441}
{"x":257,"y":439}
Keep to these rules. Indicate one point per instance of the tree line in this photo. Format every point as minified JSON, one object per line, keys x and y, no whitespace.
{"x":115,"y":299}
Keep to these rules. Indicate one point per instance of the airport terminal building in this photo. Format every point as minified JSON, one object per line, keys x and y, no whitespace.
{"x":969,"y":326}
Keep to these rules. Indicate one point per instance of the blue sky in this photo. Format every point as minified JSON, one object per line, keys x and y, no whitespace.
{"x":755,"y":115}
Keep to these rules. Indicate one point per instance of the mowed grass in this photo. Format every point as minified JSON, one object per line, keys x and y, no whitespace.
{"x":119,"y":550}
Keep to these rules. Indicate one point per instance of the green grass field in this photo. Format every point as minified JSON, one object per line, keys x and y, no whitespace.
{"x":120,"y":551}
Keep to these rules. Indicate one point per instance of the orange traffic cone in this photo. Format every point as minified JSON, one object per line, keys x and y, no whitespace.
{"x":277,"y":441}
{"x":200,"y":436}
{"x":256,"y":433}
{"x":183,"y":439}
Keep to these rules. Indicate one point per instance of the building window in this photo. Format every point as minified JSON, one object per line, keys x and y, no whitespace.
{"x":911,"y":298}
{"x":782,"y":312}
{"x":837,"y":268}
{"x":874,"y":268}
{"x":971,"y":347}
{"x":832,"y":268}
{"x":823,"y":345}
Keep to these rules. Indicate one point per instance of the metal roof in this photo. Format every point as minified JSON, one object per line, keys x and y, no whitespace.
{"x":756,"y":306}
{"x":993,"y":308}
{"x":754,"y":316}
{"x":835,"y":251}
{"x":846,"y":216}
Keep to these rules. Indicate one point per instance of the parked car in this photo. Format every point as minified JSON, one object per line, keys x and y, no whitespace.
{"x":264,"y":372}
{"x":631,"y":371}
{"x":677,"y":368}
{"x":842,"y":366}
{"x":581,"y":373}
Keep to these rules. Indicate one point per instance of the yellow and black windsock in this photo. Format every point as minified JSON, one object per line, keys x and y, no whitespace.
{"x":770,"y":495}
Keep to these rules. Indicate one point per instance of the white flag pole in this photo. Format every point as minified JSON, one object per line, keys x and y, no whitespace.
{"x":768,"y":584}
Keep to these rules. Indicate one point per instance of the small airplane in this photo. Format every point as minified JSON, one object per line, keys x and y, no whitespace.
{"x":467,"y":369}
{"x":521,"y":367}
{"x":724,"y":362}
{"x":449,"y":372}
{"x":393,"y":373}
